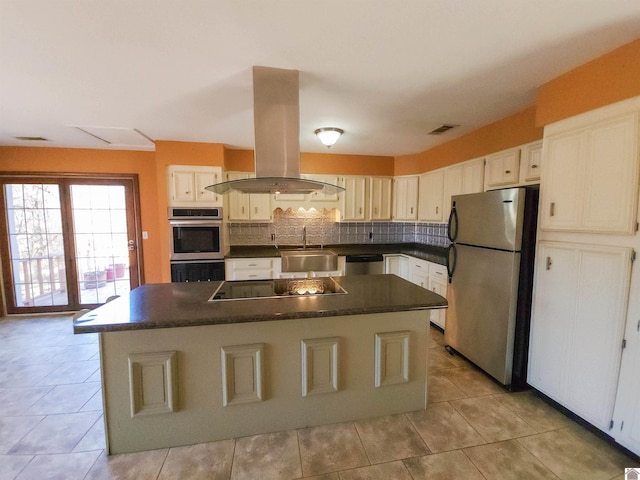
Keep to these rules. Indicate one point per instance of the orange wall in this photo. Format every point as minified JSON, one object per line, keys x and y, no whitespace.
{"x":320,"y":163}
{"x":34,"y":159}
{"x":509,"y":132}
{"x":605,"y":80}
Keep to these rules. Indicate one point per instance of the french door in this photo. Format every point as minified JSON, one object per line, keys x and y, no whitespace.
{"x":68,"y":243}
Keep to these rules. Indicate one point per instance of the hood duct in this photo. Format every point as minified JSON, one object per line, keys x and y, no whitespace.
{"x":276,"y":119}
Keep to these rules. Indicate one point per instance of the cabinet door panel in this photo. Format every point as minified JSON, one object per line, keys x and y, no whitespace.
{"x":183,"y":189}
{"x":597,"y":335}
{"x":430,"y":199}
{"x":555,"y":293}
{"x":626,"y":428}
{"x":611,"y":186}
{"x":579,"y":311}
{"x":380,"y":198}
{"x":354,"y":198}
{"x":562,"y":182}
{"x":203,"y":180}
{"x":531,"y":162}
{"x":473,"y":176}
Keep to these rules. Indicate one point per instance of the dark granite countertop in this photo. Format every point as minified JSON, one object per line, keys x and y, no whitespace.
{"x":430,"y":253}
{"x":170,"y":305}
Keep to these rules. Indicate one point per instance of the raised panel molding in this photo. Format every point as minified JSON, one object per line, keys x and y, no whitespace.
{"x":242,"y":374}
{"x":320,"y":358}
{"x":391,"y":358}
{"x":153,"y":383}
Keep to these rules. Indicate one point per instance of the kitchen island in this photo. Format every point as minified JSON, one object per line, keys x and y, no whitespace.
{"x":179,"y":367}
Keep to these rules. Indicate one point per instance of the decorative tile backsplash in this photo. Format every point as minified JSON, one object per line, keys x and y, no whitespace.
{"x":322,"y":228}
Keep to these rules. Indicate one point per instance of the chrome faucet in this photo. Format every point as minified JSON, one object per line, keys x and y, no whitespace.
{"x":304,"y":236}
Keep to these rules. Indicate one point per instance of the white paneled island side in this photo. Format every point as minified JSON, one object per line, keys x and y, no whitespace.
{"x":179,"y":369}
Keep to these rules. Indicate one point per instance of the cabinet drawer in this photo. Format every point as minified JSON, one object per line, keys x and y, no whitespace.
{"x":252,"y":263}
{"x":438,"y":271}
{"x":253,"y":274}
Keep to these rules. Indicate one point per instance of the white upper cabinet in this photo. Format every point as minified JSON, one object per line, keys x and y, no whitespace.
{"x":590,"y":176}
{"x":321,"y":197}
{"x":502,"y":168}
{"x":431,"y":189}
{"x":405,"y":194}
{"x":187,"y":184}
{"x":467,"y":177}
{"x":380,"y":193}
{"x":354,"y":198}
{"x":531,"y":162}
{"x":244,"y":206}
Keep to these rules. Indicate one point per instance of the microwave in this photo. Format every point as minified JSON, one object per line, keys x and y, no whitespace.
{"x":196,"y":234}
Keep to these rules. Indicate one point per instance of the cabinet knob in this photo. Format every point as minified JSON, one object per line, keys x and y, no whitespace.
{"x":437,"y":209}
{"x":507,"y":171}
{"x":534,"y":166}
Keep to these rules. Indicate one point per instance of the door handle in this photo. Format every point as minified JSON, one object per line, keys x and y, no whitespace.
{"x":132,"y":245}
{"x":452,"y":258}
{"x":452,"y":231}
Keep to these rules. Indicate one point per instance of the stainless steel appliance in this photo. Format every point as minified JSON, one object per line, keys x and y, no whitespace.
{"x":196,"y":233}
{"x":364,"y":264}
{"x":248,"y":289}
{"x":490,"y":280}
{"x":197,"y":244}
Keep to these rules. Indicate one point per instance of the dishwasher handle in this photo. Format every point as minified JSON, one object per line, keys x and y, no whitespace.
{"x":364,"y":257}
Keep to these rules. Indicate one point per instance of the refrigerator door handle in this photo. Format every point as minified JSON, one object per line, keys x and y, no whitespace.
{"x":452,"y":258}
{"x":452,"y":231}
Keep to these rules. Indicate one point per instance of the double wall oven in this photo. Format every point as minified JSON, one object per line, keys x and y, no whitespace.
{"x":197,"y":244}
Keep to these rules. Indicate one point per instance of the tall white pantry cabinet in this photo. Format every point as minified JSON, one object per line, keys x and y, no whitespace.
{"x":585,"y":326}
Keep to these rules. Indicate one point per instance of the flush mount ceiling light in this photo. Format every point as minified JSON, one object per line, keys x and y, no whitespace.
{"x":329,"y":135}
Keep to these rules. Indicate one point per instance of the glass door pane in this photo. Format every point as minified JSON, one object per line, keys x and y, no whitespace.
{"x":36,"y":248}
{"x":101,"y":241}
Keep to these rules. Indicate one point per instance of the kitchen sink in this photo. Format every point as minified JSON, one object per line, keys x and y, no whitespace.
{"x":309,"y":260}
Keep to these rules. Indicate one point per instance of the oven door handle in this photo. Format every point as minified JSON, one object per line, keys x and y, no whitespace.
{"x":195,"y":223}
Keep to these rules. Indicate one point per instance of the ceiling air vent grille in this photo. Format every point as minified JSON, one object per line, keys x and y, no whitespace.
{"x":442,"y":128}
{"x":32,"y":139}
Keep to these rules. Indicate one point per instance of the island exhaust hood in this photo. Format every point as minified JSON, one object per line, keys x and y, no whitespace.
{"x":276,"y":118}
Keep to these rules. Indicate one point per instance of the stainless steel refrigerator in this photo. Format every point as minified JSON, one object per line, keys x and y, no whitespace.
{"x":490,"y":280}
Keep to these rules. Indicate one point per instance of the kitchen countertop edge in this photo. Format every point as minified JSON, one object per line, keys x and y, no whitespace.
{"x":172,"y":305}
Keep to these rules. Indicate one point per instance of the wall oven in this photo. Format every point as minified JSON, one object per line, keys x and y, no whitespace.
{"x":196,"y":244}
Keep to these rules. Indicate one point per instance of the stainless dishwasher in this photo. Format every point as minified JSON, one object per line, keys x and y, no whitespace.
{"x":364,"y":264}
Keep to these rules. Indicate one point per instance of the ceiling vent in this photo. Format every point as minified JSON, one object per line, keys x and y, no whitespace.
{"x":442,"y":128}
{"x":32,"y":139}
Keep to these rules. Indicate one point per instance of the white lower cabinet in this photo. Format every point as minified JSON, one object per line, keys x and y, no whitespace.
{"x":419,"y":272}
{"x":577,"y":327}
{"x":428,"y":275}
{"x":626,"y":418}
{"x":438,"y":284}
{"x":250,"y":268}
{"x":397,"y":265}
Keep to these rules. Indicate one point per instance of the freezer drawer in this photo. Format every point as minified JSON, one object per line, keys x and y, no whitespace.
{"x":482,"y":308}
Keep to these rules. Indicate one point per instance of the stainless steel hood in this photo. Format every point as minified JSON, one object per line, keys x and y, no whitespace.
{"x":276,"y":118}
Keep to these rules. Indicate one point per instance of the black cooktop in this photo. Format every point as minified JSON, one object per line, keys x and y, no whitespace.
{"x":285,"y":287}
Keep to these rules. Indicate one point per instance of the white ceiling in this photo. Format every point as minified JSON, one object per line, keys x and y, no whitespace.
{"x":386,"y":71}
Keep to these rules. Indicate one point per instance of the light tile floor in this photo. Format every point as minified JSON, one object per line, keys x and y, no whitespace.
{"x":51,"y":427}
